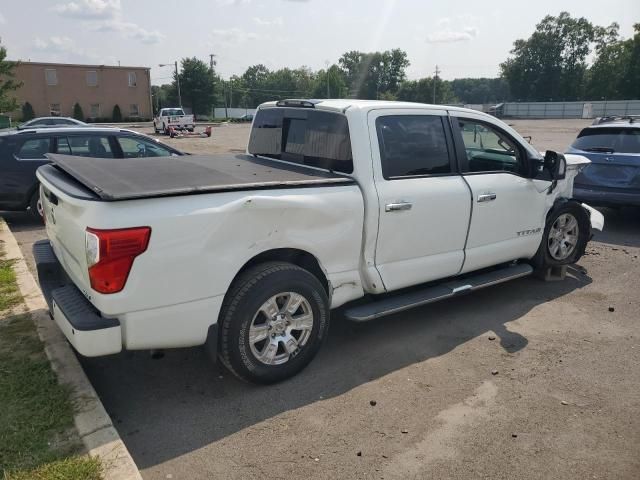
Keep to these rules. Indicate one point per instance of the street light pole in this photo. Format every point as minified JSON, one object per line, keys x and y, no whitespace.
{"x":175,"y":64}
{"x":178,"y":82}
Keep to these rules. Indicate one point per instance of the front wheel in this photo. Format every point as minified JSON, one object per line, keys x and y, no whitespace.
{"x":565,"y":237}
{"x":273,"y":322}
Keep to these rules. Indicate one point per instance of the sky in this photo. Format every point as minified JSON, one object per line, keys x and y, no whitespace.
{"x":465,"y":38}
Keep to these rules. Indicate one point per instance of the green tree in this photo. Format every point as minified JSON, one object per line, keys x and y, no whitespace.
{"x":116,"y":115}
{"x":552,"y":63}
{"x":8,"y":103}
{"x":329,"y":83}
{"x":480,"y":90}
{"x":78,"y":114}
{"x":421,"y":91}
{"x":615,"y":73}
{"x":372,"y":75}
{"x":27,"y":112}
{"x":197,"y":86}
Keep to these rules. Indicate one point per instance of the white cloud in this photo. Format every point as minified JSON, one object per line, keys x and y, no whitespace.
{"x":446,"y":34}
{"x":268,"y":22}
{"x":2,"y":19}
{"x":107,"y":16}
{"x":129,"y":30}
{"x":233,"y":2}
{"x":89,"y":9}
{"x":231,"y":36}
{"x":57,"y":44}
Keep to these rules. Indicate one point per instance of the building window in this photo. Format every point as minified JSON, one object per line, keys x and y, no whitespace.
{"x":92,"y":78}
{"x":51,"y":76}
{"x":132,"y":79}
{"x":133,"y":110}
{"x":54,"y":109}
{"x":95,"y":110}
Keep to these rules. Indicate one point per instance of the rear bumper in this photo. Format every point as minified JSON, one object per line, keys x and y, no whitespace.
{"x":87,"y":330}
{"x":602,"y":197}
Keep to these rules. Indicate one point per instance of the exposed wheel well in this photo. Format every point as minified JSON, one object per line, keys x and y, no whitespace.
{"x":292,"y":255}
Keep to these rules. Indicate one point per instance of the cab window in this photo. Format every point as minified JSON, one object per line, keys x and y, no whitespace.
{"x":412,"y":145}
{"x":138,"y":147}
{"x":488,"y":149}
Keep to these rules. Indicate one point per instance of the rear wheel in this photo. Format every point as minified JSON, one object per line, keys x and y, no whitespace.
{"x":35,"y":206}
{"x":273,"y":322}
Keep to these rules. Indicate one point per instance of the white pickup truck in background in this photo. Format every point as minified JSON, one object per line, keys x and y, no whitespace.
{"x":173,"y":117}
{"x":374,"y":206}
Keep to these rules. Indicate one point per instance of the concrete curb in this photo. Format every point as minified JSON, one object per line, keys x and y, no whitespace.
{"x":92,"y":421}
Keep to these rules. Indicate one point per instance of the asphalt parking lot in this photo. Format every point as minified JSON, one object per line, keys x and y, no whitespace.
{"x":523,"y":380}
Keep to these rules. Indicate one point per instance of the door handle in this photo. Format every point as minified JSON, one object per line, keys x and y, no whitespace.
{"x":486,"y":197}
{"x":395,"y":207}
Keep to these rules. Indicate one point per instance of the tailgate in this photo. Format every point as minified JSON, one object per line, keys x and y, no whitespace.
{"x":64,"y":216}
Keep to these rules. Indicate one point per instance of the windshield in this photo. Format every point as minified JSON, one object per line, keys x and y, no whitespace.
{"x":609,"y":140}
{"x":172,"y":112}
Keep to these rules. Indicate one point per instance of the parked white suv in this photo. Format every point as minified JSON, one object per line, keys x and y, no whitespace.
{"x":392,"y":204}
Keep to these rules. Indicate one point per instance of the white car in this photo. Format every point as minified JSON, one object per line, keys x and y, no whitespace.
{"x":173,"y":118}
{"x":392,"y":204}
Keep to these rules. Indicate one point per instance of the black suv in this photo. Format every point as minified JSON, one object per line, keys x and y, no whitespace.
{"x":23,"y":151}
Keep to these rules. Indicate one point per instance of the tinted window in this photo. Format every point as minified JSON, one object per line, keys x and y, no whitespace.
{"x":170,"y":112}
{"x":412,"y":145}
{"x":305,"y":136}
{"x":609,"y":140}
{"x":488,"y":149}
{"x":33,"y":148}
{"x":85,"y":146}
{"x":137,"y":147}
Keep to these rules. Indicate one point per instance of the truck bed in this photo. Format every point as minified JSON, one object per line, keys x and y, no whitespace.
{"x":114,"y":179}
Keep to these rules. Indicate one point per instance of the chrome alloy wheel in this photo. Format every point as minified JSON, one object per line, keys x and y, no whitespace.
{"x":280,"y":328}
{"x":563,"y":237}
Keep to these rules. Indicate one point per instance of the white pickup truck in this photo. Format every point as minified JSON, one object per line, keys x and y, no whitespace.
{"x":374,"y":206}
{"x":173,"y":117}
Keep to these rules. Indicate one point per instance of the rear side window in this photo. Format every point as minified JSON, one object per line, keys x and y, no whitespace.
{"x":33,"y":148}
{"x":303,"y":136}
{"x":609,"y":140}
{"x":412,"y":145}
{"x":85,"y":146}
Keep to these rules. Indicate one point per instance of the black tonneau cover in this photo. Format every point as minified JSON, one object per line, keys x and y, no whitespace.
{"x":115,"y":179}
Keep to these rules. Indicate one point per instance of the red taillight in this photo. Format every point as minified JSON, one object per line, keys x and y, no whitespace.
{"x":110,"y":255}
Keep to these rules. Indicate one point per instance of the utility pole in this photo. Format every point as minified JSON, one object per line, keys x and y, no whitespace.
{"x":435,"y":81}
{"x":211,"y":65}
{"x":326,"y":63}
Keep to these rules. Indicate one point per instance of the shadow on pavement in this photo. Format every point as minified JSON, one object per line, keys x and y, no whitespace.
{"x":168,"y":407}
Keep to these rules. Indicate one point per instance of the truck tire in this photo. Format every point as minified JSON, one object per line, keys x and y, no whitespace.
{"x":565,"y":237}
{"x":273,"y":321}
{"x":165,"y":130}
{"x":35,"y":206}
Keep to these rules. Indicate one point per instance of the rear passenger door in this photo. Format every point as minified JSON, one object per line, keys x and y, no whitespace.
{"x":424,"y":204}
{"x":21,"y":155}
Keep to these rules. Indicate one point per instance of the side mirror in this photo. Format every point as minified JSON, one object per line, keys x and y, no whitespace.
{"x":555,"y":164}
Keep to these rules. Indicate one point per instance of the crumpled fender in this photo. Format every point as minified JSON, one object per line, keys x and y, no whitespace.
{"x":596,"y":218}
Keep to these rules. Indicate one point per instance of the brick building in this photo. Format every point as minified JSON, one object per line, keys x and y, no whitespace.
{"x":54,"y":88}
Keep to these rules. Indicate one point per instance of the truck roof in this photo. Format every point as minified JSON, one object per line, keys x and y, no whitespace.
{"x":341,"y":105}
